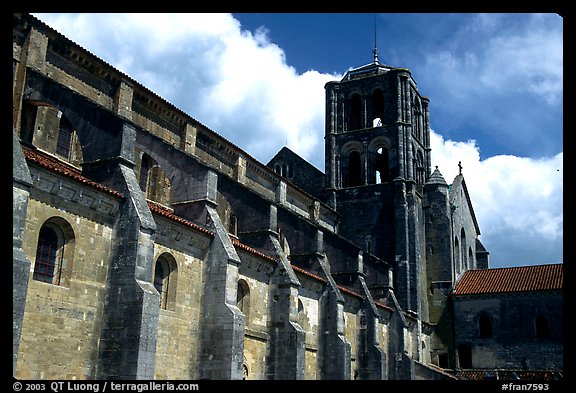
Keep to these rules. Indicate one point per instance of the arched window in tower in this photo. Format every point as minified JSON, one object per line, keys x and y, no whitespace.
{"x":377,"y":108}
{"x":355,"y":113}
{"x":419,"y":168}
{"x":354,"y":170}
{"x":470,"y":258}
{"x":381,"y":166}
{"x":417,"y":118}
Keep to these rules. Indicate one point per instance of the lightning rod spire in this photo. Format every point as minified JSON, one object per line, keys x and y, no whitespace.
{"x":375,"y":50}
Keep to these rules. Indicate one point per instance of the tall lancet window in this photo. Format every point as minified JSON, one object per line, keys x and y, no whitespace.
{"x":377,"y":108}
{"x":354,"y":170}
{"x":381,"y":166}
{"x":355,"y":115}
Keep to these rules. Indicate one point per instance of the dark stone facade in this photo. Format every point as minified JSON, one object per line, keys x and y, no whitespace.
{"x":518,"y":331}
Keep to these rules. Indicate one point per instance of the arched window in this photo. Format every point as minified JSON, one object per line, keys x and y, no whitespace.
{"x":417,"y":118}
{"x":243,"y":298}
{"x":165,"y":279}
{"x":457,"y":254}
{"x":54,"y":252}
{"x":463,"y":255}
{"x":420,"y":168}
{"x":542,"y":328}
{"x":355,"y":118}
{"x":354,"y":169}
{"x":49,"y":255}
{"x":28,"y":121}
{"x":484,"y":326}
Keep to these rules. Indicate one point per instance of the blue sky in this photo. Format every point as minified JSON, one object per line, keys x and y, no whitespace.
{"x":495,"y":83}
{"x":518,"y":58}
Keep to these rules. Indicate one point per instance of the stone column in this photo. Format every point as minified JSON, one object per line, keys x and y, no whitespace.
{"x":223,"y":324}
{"x":123,"y":99}
{"x":400,"y":365}
{"x":188,"y":139}
{"x":21,"y":183}
{"x":286,"y":357}
{"x":371,"y":359}
{"x":130,"y":318}
{"x":334,"y":349}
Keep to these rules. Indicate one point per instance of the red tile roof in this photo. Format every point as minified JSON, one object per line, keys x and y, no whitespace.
{"x":511,"y":279}
{"x":55,"y":165}
{"x":165,"y":212}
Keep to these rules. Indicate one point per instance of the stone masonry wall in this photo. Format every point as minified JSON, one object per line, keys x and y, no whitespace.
{"x":513,"y":342}
{"x":178,"y":358}
{"x":62,"y":323}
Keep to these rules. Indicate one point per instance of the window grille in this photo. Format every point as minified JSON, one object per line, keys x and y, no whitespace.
{"x":48,"y":264}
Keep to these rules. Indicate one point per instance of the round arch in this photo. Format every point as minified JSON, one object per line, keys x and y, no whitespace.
{"x":55,"y":250}
{"x":166,"y":280}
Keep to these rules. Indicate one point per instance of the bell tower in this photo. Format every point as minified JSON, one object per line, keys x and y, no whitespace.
{"x":377,"y":159}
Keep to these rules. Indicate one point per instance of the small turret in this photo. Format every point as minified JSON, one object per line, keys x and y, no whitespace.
{"x":438,"y":243}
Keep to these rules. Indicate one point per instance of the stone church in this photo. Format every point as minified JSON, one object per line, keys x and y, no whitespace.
{"x":147,"y":246}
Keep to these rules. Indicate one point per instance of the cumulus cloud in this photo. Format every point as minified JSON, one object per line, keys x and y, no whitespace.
{"x":506,"y":57}
{"x":518,"y":201}
{"x":503,"y":74}
{"x":239,"y":84}
{"x":234,"y":81}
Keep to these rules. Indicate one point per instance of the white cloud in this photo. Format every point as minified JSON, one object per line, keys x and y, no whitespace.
{"x":238,"y":83}
{"x":518,"y":201}
{"x":493,"y":53}
{"x":234,"y":81}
